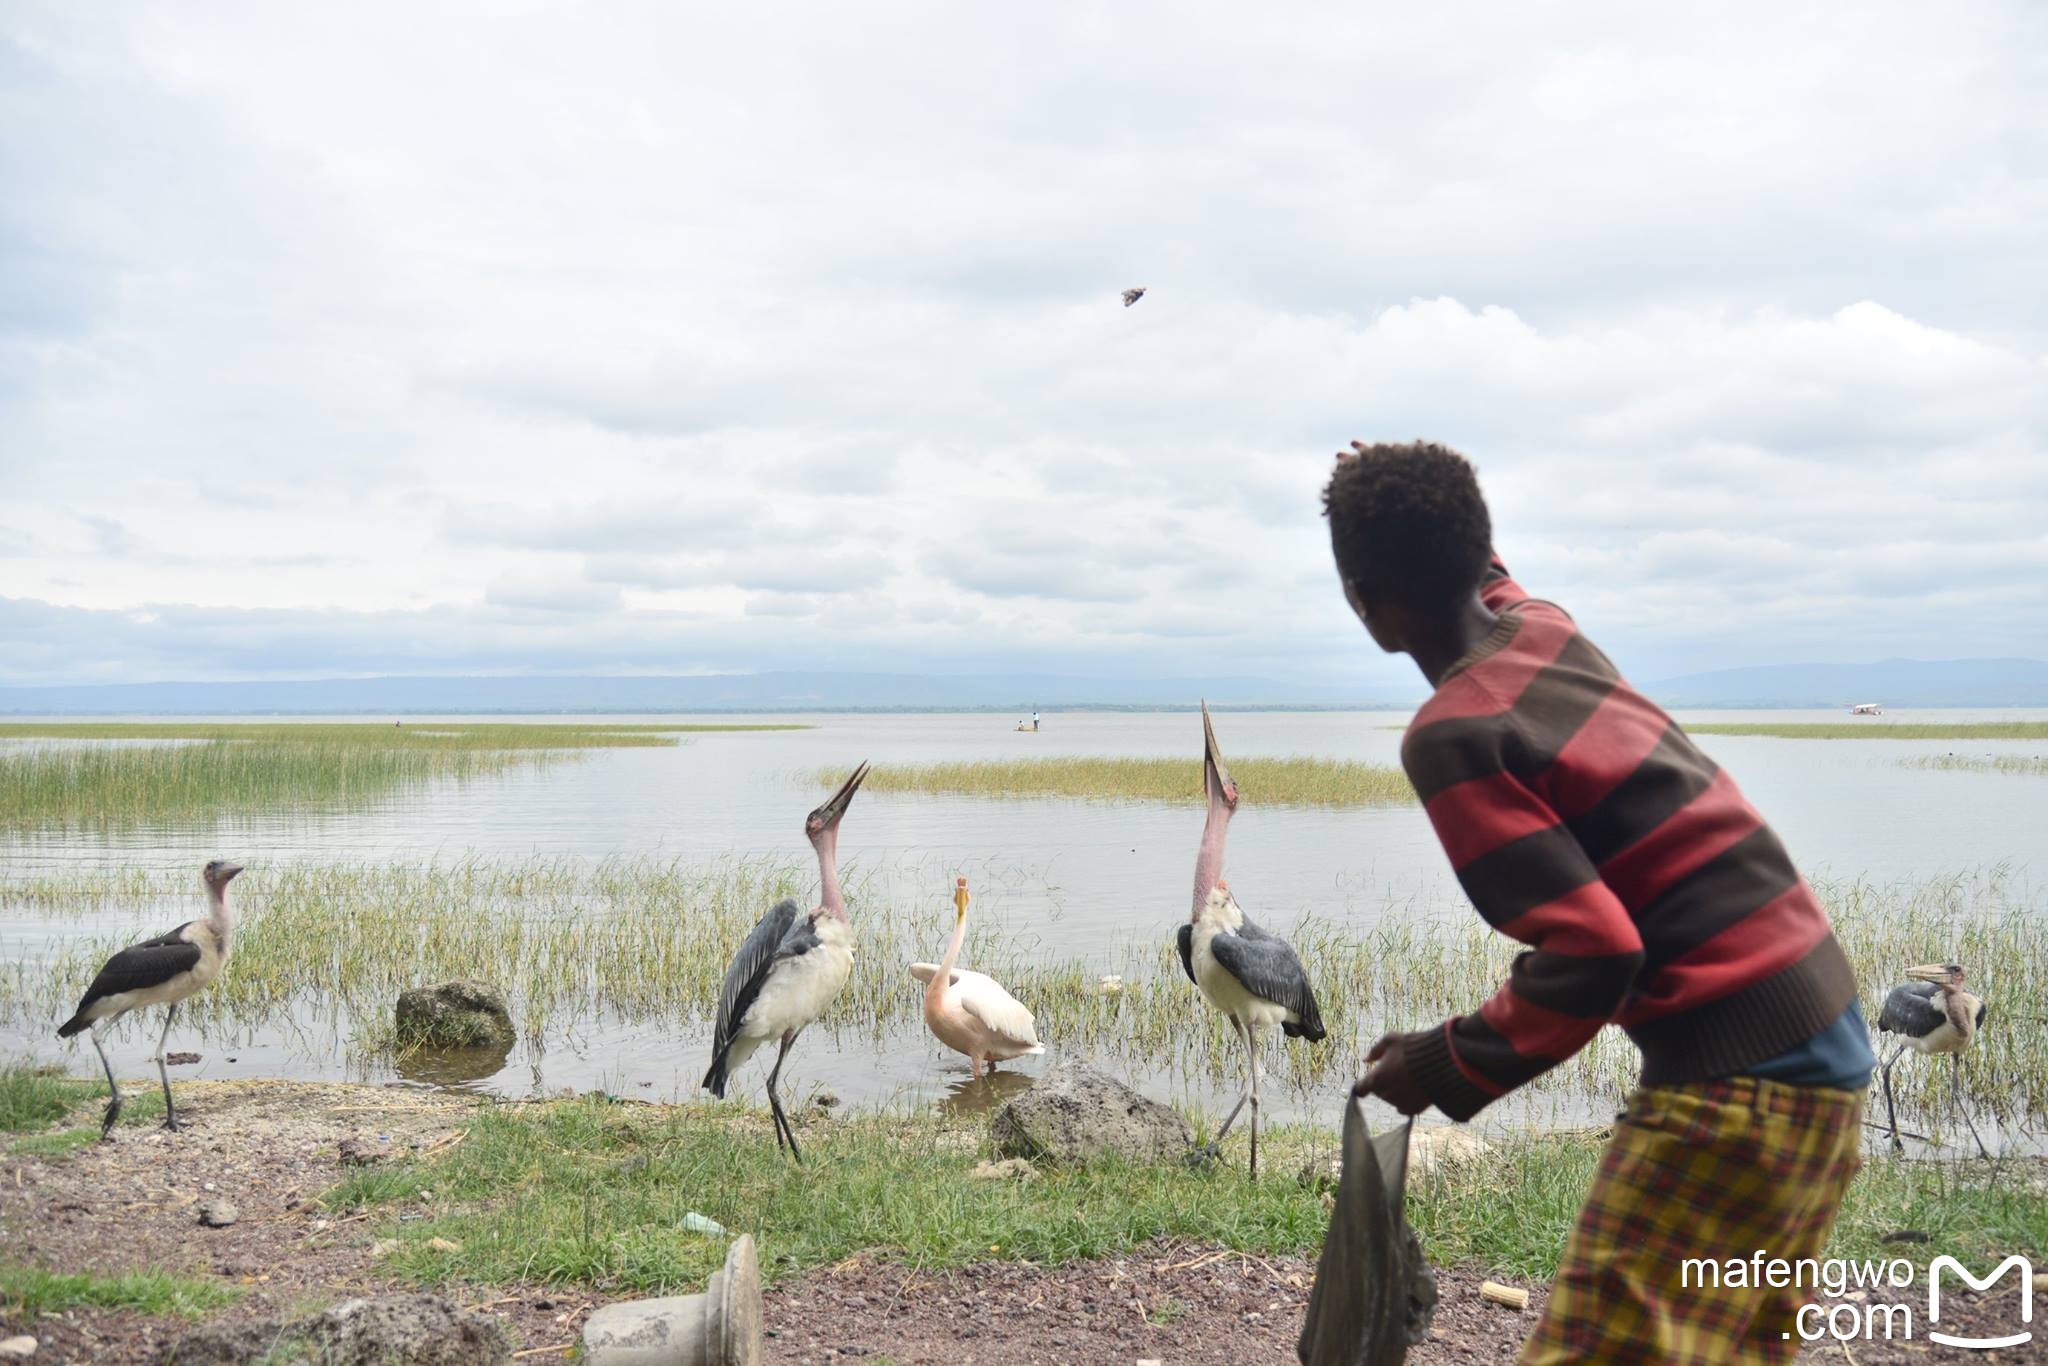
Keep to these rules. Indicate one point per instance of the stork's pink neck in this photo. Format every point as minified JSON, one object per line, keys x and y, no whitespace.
{"x":827,"y":844}
{"x":1960,"y":1015}
{"x":220,"y":917}
{"x":1209,"y":858}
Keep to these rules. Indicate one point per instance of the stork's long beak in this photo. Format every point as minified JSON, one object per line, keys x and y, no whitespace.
{"x":827,"y":816}
{"x":1938,"y":973}
{"x":229,"y":873}
{"x":1215,"y":777}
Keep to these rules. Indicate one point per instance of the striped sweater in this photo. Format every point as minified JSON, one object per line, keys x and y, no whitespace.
{"x":1583,"y":822}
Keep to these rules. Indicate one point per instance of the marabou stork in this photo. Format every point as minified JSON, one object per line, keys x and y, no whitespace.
{"x":1132,"y":296}
{"x":1932,"y":1014}
{"x":1254,"y":977}
{"x":969,"y":1012}
{"x":160,"y":971}
{"x":789,"y":969}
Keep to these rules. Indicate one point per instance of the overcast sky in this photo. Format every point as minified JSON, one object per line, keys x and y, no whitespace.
{"x":368,"y":338}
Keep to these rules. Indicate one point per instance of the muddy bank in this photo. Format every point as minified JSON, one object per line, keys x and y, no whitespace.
{"x":271,"y":1148}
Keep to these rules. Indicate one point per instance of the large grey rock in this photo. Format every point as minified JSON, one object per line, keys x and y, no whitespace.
{"x":1076,"y":1112}
{"x":459,"y":1014}
{"x":721,"y":1327}
{"x":398,"y":1330}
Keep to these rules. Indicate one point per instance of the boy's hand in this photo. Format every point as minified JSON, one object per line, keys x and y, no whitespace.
{"x":1389,"y":1077}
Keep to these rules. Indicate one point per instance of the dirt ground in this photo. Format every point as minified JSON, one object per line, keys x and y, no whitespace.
{"x":270,"y":1146}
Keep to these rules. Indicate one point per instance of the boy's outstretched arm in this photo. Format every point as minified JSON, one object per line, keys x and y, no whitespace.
{"x":1529,"y":877}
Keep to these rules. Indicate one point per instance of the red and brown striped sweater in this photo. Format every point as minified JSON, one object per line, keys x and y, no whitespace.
{"x":1582,"y":821}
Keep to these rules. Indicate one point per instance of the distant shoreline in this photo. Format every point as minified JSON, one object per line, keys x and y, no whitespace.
{"x":1023,"y":708}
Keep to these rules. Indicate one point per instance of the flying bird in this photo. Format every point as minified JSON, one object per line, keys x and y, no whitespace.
{"x":789,"y":970}
{"x":969,"y":1012}
{"x":1931,"y":1014}
{"x":160,"y":971}
{"x":1132,"y":296}
{"x":1252,"y":976}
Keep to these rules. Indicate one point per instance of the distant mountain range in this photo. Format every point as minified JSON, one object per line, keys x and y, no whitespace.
{"x":1893,"y":682}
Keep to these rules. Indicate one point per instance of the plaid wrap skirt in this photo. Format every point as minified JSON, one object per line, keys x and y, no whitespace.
{"x":1715,"y":1169}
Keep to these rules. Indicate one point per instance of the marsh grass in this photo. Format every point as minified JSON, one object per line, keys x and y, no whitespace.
{"x":1877,"y":730}
{"x":34,"y":1097}
{"x":593,"y":1193}
{"x":2018,"y":765}
{"x":33,"y":1291}
{"x":327,"y":947}
{"x":1294,"y":781}
{"x":124,"y":773}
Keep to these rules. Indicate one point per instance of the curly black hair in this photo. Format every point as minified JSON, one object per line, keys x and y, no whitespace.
{"x":1408,"y":525}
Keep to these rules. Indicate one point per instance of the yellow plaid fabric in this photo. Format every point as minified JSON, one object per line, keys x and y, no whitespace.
{"x":1714,"y":1169}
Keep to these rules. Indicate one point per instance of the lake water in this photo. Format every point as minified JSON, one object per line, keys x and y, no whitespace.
{"x":1095,"y":876}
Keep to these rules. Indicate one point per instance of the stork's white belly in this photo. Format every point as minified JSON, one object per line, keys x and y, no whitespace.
{"x":799,"y":990}
{"x":213,"y":956}
{"x":1224,"y":991}
{"x":1946,"y":1038}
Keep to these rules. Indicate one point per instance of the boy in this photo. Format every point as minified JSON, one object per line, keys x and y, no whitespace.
{"x":1583,"y":822}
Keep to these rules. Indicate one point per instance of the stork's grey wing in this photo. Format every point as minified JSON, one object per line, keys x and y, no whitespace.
{"x":150,"y":963}
{"x":1266,"y":965}
{"x":1186,"y":940}
{"x":750,"y":969}
{"x":136,"y":968}
{"x":1910,"y":1010}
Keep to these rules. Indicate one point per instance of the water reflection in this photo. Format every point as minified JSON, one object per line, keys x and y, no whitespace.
{"x":966,"y":1097}
{"x":455,"y":1069}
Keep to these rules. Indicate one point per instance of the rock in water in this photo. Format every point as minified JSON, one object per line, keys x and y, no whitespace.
{"x":1076,"y":1112}
{"x":459,"y":1014}
{"x":404,"y":1330}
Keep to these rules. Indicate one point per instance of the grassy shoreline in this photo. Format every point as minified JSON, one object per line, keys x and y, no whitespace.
{"x":593,"y":1192}
{"x":1877,"y":730}
{"x":2017,"y":765}
{"x":131,"y":773}
{"x":1296,"y":781}
{"x":646,"y":943}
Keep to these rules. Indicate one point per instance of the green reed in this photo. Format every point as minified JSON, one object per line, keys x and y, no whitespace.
{"x":137,"y":772}
{"x":647,"y":942}
{"x":1294,"y":781}
{"x":1878,"y":730}
{"x":2018,"y":765}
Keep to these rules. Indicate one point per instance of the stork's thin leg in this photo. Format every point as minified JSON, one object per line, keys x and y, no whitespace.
{"x":775,"y":1117}
{"x":775,"y":1101}
{"x":1231,"y":1118}
{"x":1891,"y":1112}
{"x":113,"y":1089}
{"x":1251,"y":1043}
{"x":1982,"y":1151}
{"x":163,"y":1069}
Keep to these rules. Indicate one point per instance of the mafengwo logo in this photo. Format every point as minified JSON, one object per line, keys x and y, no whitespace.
{"x":2012,"y":1263}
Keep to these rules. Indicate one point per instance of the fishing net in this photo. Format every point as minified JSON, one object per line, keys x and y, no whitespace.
{"x":1374,"y":1293}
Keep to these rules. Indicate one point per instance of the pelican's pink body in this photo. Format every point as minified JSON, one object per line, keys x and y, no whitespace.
{"x":969,"y":1012}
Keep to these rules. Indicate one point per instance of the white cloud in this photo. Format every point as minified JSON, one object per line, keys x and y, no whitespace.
{"x":549,"y":341}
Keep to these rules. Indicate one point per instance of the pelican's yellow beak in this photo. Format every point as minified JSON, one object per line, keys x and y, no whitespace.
{"x":960,"y":897}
